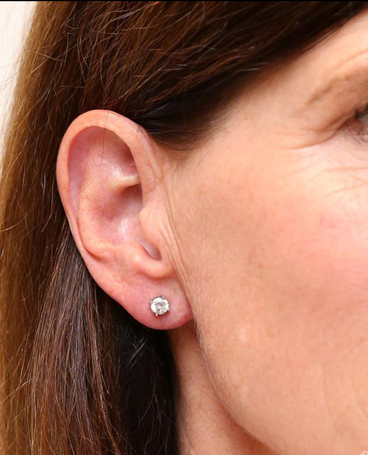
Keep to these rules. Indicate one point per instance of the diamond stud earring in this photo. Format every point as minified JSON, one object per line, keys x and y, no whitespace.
{"x":159,"y":305}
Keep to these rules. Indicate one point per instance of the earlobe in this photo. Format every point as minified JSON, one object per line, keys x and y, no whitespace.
{"x":108,"y":198}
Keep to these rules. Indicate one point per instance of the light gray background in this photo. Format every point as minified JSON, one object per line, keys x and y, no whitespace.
{"x":14,"y":18}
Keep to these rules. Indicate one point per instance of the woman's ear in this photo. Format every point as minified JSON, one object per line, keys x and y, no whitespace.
{"x":108,"y":178}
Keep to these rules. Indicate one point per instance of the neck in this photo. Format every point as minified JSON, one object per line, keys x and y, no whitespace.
{"x":205,"y":427}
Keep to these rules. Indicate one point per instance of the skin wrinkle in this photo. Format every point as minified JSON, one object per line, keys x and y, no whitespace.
{"x":358,"y":407}
{"x":332,"y":414}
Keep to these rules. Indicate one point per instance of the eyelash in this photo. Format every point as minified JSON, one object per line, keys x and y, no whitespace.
{"x":361,"y":112}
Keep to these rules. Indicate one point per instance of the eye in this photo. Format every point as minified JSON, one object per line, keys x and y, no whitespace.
{"x":358,"y":124}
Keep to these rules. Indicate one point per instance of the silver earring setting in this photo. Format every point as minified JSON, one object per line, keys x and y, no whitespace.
{"x":159,"y":305}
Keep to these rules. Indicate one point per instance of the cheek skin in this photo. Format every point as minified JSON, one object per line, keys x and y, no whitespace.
{"x":279,"y":288}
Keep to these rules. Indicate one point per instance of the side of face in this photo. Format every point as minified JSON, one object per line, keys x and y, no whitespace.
{"x":270,"y":221}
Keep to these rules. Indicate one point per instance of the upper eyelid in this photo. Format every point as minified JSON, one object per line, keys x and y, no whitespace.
{"x":336,"y":98}
{"x":346,"y":76}
{"x":351,"y":81}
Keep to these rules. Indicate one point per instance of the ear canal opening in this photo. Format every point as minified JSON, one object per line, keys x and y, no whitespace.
{"x":152,"y":250}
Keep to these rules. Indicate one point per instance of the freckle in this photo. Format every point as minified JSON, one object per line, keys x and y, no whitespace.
{"x":328,"y":222}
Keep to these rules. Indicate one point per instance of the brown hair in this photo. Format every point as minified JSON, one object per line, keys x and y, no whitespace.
{"x":79,"y":375}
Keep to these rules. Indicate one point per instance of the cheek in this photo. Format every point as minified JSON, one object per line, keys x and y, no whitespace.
{"x":280,"y":293}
